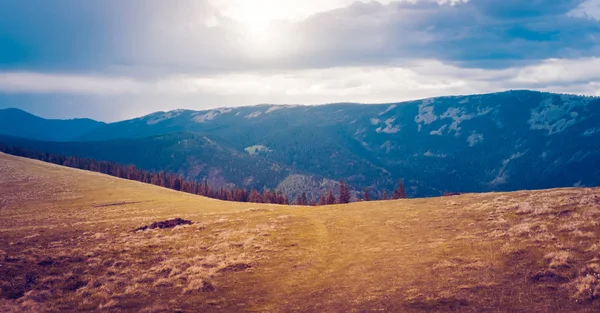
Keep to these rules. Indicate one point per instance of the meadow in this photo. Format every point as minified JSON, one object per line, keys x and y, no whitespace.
{"x":70,"y":241}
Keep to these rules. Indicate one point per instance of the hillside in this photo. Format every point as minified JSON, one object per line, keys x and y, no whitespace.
{"x":190,"y":154}
{"x":67,"y":244}
{"x":494,"y":142}
{"x":14,"y":122}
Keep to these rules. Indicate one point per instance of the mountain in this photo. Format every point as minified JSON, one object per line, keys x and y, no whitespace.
{"x":15,"y":122}
{"x":493,"y":142}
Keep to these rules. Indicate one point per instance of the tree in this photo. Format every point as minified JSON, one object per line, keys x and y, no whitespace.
{"x":344,"y":196}
{"x":384,"y":196}
{"x":176,"y":183}
{"x":330,"y":199}
{"x":400,"y":193}
{"x":302,"y":200}
{"x":323,"y":199}
{"x":255,"y":197}
{"x":284,"y":199}
{"x":366,"y":196}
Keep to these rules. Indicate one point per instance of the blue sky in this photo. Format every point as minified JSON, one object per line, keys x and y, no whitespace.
{"x":114,"y":59}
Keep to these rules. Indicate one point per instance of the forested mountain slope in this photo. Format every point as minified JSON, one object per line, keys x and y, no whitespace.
{"x":502,"y":141}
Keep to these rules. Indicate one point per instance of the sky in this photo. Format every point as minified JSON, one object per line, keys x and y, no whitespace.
{"x":112,"y":59}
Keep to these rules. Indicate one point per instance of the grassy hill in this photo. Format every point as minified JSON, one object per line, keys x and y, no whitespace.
{"x":67,"y":244}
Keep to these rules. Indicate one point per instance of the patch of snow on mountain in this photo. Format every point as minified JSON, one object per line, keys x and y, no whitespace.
{"x":459,"y":115}
{"x":159,"y":117}
{"x":438,"y":132}
{"x":430,"y":154}
{"x":208,"y":116}
{"x":375,"y":121}
{"x":555,"y":117}
{"x":253,"y":114}
{"x":591,"y":131}
{"x":474,"y":139}
{"x":210,"y":141}
{"x":387,"y":146}
{"x":502,"y":176}
{"x":426,"y":115}
{"x":201,"y":117}
{"x":390,"y":128}
{"x":274,"y":108}
{"x":256,"y":149}
{"x":391,"y":107}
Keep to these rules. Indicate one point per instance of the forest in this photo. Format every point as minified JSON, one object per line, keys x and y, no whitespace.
{"x":202,"y":188}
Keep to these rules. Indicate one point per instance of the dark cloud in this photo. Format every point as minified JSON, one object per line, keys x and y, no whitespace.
{"x":112,"y":35}
{"x":518,"y":9}
{"x":482,"y":33}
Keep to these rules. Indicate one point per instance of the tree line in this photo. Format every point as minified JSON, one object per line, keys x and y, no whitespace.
{"x":202,"y":188}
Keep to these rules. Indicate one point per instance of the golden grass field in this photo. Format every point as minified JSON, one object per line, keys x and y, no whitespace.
{"x":67,"y":245}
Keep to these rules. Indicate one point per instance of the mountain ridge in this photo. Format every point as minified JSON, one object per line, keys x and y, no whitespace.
{"x":17,"y":122}
{"x":504,"y":141}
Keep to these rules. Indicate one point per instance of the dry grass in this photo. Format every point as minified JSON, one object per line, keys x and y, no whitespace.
{"x":559,"y":259}
{"x":66,"y":244}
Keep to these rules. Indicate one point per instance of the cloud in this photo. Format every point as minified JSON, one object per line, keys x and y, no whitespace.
{"x":146,"y":54}
{"x":26,"y":82}
{"x":555,"y":71}
{"x":475,"y":34}
{"x":588,"y":9}
{"x":116,"y":36}
{"x":372,"y":84}
{"x":157,"y":38}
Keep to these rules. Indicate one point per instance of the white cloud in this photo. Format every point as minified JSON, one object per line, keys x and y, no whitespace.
{"x":588,"y":9}
{"x":249,"y":12}
{"x":27,"y":82}
{"x":560,"y":71}
{"x":369,"y":84}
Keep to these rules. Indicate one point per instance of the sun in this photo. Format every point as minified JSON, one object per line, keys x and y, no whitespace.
{"x":258,"y":21}
{"x":257,"y":25}
{"x":257,"y":16}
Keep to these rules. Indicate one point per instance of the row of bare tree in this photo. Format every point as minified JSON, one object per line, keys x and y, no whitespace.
{"x":179,"y":183}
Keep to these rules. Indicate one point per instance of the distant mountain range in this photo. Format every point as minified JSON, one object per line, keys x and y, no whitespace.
{"x":14,"y":122}
{"x":493,"y":142}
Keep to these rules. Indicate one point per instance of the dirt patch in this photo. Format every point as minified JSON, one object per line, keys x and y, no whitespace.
{"x":165,"y":224}
{"x":201,"y":286}
{"x":548,"y":276}
{"x":238,"y":267}
{"x":47,"y":262}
